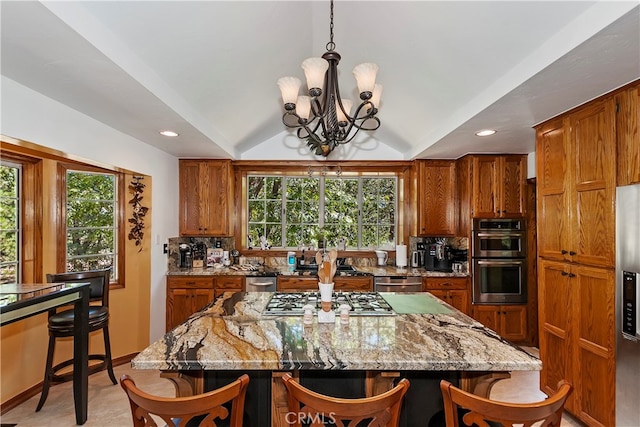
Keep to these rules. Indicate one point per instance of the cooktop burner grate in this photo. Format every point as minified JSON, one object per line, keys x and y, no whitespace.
{"x":362,"y":303}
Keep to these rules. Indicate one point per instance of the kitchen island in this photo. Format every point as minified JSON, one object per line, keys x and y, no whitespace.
{"x":232,"y":335}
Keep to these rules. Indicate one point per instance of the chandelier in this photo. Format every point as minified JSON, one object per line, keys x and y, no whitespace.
{"x":323,"y":118}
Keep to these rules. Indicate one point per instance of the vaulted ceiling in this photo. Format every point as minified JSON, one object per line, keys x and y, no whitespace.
{"x":208,"y":69}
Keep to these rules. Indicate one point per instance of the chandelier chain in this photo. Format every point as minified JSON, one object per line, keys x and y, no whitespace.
{"x":331,"y":45}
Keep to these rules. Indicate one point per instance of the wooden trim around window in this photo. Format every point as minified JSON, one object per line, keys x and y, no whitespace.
{"x":403,"y":170}
{"x":61,"y":232}
{"x":31,"y":216}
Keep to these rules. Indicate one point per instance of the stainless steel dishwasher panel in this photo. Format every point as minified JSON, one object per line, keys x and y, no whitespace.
{"x":260,"y":283}
{"x":398,"y":284}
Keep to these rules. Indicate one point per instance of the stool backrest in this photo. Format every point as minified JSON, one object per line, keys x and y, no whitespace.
{"x":179,"y":411}
{"x":308,"y":406}
{"x":481,"y":410}
{"x":98,"y":279}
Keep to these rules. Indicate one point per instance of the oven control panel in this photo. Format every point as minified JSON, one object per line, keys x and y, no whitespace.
{"x":630,"y":304}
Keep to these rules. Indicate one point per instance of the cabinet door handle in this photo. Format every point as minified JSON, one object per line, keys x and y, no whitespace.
{"x":572,"y":275}
{"x":572,"y":253}
{"x":563,"y":252}
{"x":564,"y":273}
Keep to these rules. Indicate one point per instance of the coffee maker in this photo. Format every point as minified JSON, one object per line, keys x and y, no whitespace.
{"x":438,"y":258}
{"x":186,"y":260}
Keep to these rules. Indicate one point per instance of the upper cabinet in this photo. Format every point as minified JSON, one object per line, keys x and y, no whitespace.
{"x":628,"y":134}
{"x":206,"y":198}
{"x":436,"y":197}
{"x":491,"y":186}
{"x":576,"y":185}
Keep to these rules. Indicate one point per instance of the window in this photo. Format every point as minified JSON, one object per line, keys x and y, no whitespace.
{"x":294,"y":211}
{"x":92,"y":221}
{"x":10,"y":214}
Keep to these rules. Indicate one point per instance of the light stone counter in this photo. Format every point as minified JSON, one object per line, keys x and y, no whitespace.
{"x":232,"y":334}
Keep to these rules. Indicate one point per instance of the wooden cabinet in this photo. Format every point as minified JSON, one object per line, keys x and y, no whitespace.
{"x":310,"y":283}
{"x":228,"y":283}
{"x":455,"y":291}
{"x":576,"y":179}
{"x":188,"y":294}
{"x":509,"y":321}
{"x":490,"y":186}
{"x":628,"y":134}
{"x":185,"y":296}
{"x":206,"y":198}
{"x":576,"y":186}
{"x":436,"y":197}
{"x":577,"y":336}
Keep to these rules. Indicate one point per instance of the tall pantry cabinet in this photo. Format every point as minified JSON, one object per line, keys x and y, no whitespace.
{"x":576,"y":182}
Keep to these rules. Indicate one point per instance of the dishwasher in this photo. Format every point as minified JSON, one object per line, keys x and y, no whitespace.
{"x":260,"y":283}
{"x":398,"y":284}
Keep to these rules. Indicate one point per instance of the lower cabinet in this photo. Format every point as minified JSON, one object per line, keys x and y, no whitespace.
{"x":188,"y":294}
{"x":455,"y":291}
{"x":509,"y":321}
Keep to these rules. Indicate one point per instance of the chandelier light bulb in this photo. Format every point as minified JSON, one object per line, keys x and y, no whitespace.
{"x":289,"y":87}
{"x":377,"y":93}
{"x":365,"y":75}
{"x":303,"y":107}
{"x":342,"y":118}
{"x":314,"y":70}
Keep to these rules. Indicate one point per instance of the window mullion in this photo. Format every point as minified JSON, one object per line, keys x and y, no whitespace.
{"x":360,"y":205}
{"x":283,"y":212}
{"x":321,"y":203}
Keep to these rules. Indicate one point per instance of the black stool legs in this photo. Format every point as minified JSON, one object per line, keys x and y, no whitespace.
{"x":51,"y":375}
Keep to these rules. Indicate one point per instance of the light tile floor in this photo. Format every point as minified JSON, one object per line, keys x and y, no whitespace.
{"x":108,"y":405}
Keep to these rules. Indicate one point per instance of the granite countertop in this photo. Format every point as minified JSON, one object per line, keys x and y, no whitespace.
{"x":285,"y":271}
{"x":231,"y":333}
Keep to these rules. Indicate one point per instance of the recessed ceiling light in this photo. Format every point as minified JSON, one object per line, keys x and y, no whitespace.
{"x":168,"y":133}
{"x":485,"y":132}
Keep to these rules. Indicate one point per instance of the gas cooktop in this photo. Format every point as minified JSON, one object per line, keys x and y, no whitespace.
{"x":362,"y":303}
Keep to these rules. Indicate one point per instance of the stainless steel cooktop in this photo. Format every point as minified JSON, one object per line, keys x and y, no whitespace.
{"x":362,"y":303}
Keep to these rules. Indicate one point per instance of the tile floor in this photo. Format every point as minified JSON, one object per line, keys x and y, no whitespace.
{"x":108,"y":405}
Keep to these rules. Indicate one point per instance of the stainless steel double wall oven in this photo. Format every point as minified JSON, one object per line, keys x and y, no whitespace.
{"x":499,"y":261}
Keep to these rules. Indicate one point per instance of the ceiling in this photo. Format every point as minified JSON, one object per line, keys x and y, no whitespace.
{"x":208,"y":69}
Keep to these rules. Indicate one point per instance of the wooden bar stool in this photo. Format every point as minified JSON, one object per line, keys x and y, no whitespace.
{"x":60,"y":324}
{"x":314,"y":408}
{"x":179,"y":411}
{"x":462,"y":408}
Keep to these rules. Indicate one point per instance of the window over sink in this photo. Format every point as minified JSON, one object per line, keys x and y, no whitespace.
{"x":294,"y":211}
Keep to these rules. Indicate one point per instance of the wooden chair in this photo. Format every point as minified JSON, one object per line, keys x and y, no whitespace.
{"x":179,"y":411}
{"x":483,"y":412}
{"x":60,"y":324}
{"x":311,"y":407}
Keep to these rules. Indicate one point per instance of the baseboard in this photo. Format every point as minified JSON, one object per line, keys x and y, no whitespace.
{"x":20,"y":398}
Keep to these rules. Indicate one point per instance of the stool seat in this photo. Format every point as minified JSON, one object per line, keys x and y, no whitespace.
{"x":62,"y":322}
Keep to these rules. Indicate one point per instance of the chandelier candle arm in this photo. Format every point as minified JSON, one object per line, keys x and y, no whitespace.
{"x":365,"y":75}
{"x":314,"y":70}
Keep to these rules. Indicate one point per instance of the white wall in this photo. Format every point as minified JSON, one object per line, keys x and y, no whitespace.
{"x":531,"y":165}
{"x":32,"y":117}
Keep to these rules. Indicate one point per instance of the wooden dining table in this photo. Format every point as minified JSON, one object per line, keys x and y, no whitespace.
{"x":19,"y":301}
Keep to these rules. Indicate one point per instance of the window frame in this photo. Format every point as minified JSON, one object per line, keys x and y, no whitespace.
{"x":30,"y":221}
{"x":402,"y":169}
{"x":322,"y":188}
{"x":61,"y":258}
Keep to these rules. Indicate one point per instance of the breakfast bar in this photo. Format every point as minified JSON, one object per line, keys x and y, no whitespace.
{"x":421,"y":338}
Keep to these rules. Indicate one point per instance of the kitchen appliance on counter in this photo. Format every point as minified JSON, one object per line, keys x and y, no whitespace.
{"x":438,"y":257}
{"x":186,"y":260}
{"x":499,"y":261}
{"x":361,"y":303}
{"x":627,"y":306}
{"x":417,"y":259}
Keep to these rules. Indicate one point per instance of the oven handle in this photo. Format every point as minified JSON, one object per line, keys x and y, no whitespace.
{"x":498,"y":234}
{"x":499,"y":262}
